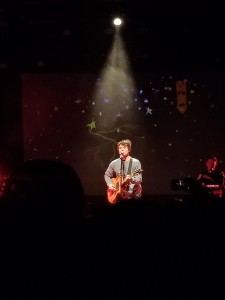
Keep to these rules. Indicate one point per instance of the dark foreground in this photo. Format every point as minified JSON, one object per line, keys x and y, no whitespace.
{"x":161,"y":247}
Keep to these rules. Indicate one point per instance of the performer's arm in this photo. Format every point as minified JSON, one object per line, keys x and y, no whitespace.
{"x":109,"y":175}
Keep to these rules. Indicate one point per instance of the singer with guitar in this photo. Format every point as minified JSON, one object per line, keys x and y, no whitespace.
{"x":123,"y":175}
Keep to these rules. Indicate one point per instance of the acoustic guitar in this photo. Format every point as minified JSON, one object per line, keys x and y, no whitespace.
{"x":120,"y":189}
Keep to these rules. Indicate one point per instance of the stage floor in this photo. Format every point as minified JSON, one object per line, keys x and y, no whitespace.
{"x":185,"y":203}
{"x":157,"y":199}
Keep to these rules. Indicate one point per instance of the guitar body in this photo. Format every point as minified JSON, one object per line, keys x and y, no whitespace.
{"x":113,"y":195}
{"x":121,"y":186}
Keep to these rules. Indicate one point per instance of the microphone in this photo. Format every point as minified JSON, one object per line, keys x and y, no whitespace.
{"x":121,"y":155}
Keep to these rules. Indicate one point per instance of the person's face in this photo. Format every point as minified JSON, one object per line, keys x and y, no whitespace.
{"x":123,"y":149}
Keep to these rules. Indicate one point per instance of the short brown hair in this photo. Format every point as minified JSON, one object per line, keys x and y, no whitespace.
{"x":124,"y":143}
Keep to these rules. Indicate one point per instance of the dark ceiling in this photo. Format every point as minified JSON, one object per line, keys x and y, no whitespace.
{"x":61,"y":35}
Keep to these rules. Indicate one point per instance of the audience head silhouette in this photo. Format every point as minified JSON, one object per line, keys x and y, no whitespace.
{"x":44,"y":187}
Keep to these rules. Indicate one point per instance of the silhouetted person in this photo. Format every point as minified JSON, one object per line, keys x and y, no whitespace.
{"x":45,"y":187}
{"x":211,"y":178}
{"x":42,"y":230}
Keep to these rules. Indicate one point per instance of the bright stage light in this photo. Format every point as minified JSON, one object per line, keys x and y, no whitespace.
{"x":117,"y":21}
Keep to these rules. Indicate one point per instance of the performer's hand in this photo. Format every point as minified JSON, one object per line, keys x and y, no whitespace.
{"x":111,"y":186}
{"x":128,"y":179}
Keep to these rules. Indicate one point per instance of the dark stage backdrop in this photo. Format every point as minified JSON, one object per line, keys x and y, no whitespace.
{"x":63,"y":120}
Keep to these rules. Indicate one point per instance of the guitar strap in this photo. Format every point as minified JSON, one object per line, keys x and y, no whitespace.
{"x":129,"y":167}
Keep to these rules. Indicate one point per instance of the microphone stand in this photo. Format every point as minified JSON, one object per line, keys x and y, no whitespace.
{"x":122,"y":171}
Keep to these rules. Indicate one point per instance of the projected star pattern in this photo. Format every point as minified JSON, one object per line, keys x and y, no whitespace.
{"x":65,"y":123}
